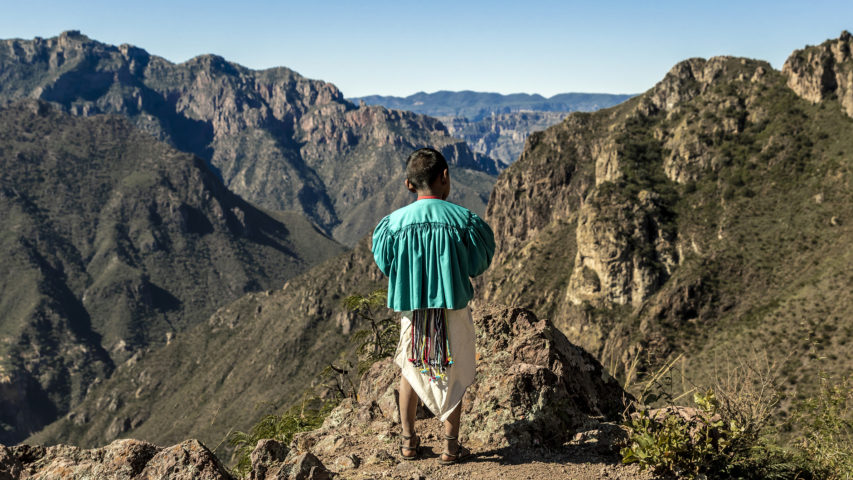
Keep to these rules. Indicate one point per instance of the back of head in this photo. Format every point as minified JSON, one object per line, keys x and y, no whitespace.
{"x":424,"y":166}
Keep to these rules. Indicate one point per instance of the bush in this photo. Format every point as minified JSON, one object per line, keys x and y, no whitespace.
{"x":689,"y":442}
{"x":725,"y":436}
{"x":299,"y":418}
{"x":826,"y":420}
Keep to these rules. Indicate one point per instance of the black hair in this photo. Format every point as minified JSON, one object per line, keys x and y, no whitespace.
{"x":424,"y":166}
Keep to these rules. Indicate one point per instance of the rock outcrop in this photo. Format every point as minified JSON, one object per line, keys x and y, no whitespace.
{"x":822,"y":72}
{"x":533,"y":388}
{"x":278,"y":139}
{"x":120,"y":460}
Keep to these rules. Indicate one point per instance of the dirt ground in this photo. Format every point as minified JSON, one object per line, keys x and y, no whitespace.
{"x":379,"y":458}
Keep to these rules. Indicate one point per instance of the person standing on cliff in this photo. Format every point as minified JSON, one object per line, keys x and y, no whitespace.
{"x":428,"y":250}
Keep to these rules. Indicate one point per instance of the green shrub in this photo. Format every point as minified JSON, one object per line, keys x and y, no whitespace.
{"x":685,"y":442}
{"x":299,"y":418}
{"x":705,"y":441}
{"x":826,"y":420}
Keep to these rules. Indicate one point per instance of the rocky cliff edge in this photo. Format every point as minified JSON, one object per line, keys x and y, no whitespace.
{"x":536,"y":395}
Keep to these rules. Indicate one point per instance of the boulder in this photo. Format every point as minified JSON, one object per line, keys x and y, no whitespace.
{"x":120,"y":460}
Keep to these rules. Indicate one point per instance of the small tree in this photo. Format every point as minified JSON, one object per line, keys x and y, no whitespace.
{"x":380,"y":339}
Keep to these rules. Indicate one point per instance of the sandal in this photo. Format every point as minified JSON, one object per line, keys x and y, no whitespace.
{"x":416,"y":447}
{"x":454,"y":457}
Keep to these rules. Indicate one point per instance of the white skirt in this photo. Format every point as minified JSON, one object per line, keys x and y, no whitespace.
{"x":442,"y":395}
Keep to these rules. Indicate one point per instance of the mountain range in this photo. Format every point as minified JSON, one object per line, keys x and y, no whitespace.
{"x":493,"y":124}
{"x":114,"y":241}
{"x":476,"y":106}
{"x":707,"y":219}
{"x":277,"y":139}
{"x":125,"y":181}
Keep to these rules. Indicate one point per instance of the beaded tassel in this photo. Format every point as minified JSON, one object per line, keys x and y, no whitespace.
{"x":430,"y":343}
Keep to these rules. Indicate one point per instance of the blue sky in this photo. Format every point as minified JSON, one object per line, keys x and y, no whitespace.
{"x":402,"y":47}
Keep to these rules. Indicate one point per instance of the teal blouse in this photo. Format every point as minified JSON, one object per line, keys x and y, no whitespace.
{"x":428,"y":250}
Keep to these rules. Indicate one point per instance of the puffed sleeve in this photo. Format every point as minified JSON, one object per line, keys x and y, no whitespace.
{"x":383,"y":246}
{"x":481,"y":245}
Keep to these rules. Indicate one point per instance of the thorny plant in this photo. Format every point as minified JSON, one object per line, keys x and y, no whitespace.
{"x":339,"y":380}
{"x":750,"y":393}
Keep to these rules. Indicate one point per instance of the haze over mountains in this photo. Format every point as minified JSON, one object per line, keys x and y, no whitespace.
{"x":709,"y":216}
{"x":476,"y":106}
{"x":493,"y":124}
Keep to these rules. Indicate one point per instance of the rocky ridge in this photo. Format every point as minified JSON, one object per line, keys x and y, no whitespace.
{"x":120,"y":460}
{"x":533,"y":388}
{"x":113,"y":242}
{"x":279,"y":140}
{"x":823,"y":72}
{"x":670,"y":223}
{"x":537,"y":397}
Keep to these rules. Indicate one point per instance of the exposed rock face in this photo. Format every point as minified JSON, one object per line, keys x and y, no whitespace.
{"x":575,"y":173}
{"x":270,"y":461}
{"x":824,"y":71}
{"x":113,"y":241}
{"x":120,"y":460}
{"x":266,"y":459}
{"x":533,"y":387}
{"x":277,"y":139}
{"x":569,"y":178}
{"x":655,"y":226}
{"x":501,"y":136}
{"x":623,"y":255}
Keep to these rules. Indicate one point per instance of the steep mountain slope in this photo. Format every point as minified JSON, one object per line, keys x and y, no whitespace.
{"x":476,"y":106}
{"x":253,"y":356}
{"x":710,"y":215}
{"x":279,"y":140}
{"x":113,"y":241}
